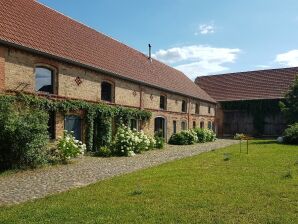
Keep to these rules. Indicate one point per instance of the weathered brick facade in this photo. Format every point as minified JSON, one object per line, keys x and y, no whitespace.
{"x":17,"y":71}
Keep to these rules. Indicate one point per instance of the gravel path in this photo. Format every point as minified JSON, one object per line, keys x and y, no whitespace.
{"x":29,"y":185}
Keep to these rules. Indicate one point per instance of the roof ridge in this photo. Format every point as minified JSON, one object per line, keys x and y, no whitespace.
{"x":249,"y":71}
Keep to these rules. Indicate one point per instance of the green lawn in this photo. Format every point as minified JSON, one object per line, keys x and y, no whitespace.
{"x":261,"y":187}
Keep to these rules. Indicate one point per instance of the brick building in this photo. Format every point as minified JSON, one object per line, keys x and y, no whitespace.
{"x":45,"y":52}
{"x":248,"y":101}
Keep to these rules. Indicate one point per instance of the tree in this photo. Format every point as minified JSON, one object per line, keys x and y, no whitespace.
{"x":289,"y":106}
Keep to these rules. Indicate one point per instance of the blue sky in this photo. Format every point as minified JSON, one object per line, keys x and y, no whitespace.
{"x":199,"y":37}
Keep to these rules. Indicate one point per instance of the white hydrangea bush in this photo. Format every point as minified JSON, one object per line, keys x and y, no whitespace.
{"x":128,"y":142}
{"x":69,"y":147}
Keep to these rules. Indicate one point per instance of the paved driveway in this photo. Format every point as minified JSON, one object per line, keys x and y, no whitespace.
{"x":29,"y":185}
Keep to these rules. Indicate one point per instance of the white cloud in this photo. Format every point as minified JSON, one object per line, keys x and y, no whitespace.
{"x":289,"y":58}
{"x":195,"y":69}
{"x":263,"y":66}
{"x":205,"y":29}
{"x":197,"y":60}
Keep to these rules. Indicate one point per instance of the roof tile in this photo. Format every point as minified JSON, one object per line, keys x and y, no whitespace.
{"x":262,"y":84}
{"x":32,"y":25}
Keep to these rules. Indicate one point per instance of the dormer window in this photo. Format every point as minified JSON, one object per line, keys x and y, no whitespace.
{"x":184,"y":106}
{"x":106,"y":91}
{"x":163,"y":102}
{"x":44,"y":80}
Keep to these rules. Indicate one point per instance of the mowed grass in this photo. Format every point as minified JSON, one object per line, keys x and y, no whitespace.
{"x":261,"y":187}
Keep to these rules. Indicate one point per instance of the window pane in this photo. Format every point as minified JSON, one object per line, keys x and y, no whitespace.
{"x":197,"y":108}
{"x":133,"y":124}
{"x":209,"y":125}
{"x":174,"y":127}
{"x":202,"y":124}
{"x":183,"y":125}
{"x":160,"y":126}
{"x":194,"y":124}
{"x":43,"y":80}
{"x":163,"y":103}
{"x":73,"y":123}
{"x":183,"y":106}
{"x":106,"y":91}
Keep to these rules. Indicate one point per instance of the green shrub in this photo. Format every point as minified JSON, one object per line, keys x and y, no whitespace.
{"x":23,"y":136}
{"x":69,"y":147}
{"x":160,"y":142}
{"x":291,"y":134}
{"x":128,"y":141}
{"x":104,"y":151}
{"x":201,"y":134}
{"x":187,"y":137}
{"x":210,"y":135}
{"x":205,"y":135}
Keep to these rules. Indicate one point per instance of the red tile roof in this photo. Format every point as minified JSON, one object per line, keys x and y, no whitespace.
{"x":262,"y":84}
{"x":29,"y":24}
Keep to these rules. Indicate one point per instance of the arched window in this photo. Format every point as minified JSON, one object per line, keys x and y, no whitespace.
{"x":44,"y":80}
{"x":160,"y":126}
{"x":194,"y":124}
{"x":183,"y":125}
{"x":184,"y":107}
{"x":106,"y":91}
{"x":209,"y":125}
{"x":202,"y":125}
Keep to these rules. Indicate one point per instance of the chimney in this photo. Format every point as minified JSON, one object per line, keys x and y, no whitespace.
{"x":149,"y":57}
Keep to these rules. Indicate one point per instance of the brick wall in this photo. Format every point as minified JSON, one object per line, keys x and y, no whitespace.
{"x":20,"y":76}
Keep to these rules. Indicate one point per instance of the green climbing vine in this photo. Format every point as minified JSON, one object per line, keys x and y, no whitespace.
{"x":95,"y":112}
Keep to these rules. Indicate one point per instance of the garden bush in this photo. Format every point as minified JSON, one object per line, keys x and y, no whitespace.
{"x":23,"y":136}
{"x":104,"y":151}
{"x":159,"y":142}
{"x":190,"y":137}
{"x":201,"y":134}
{"x":127,"y":142}
{"x":210,"y":135}
{"x":69,"y":147}
{"x":291,"y":134}
{"x":205,"y":135}
{"x":187,"y":137}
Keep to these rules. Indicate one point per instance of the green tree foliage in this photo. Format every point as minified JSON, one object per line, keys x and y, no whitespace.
{"x":290,"y":105}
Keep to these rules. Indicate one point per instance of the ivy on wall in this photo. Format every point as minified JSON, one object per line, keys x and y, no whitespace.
{"x":95,"y":112}
{"x":259,"y":109}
